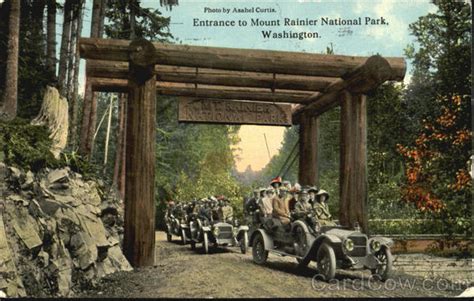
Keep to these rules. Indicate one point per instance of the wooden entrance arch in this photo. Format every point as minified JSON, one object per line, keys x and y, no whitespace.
{"x":313,"y":83}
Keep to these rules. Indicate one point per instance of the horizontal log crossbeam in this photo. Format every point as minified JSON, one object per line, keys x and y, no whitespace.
{"x":206,"y":91}
{"x":206,"y":76}
{"x":312,"y":80}
{"x":267,"y":61}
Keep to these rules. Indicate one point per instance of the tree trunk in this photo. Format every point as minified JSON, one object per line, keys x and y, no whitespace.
{"x":90,"y":104}
{"x":120,"y":142}
{"x":107,"y":136}
{"x":8,"y":109}
{"x":71,"y":55}
{"x":308,"y":155}
{"x":139,"y":226}
{"x":75,"y":93}
{"x":65,"y":41}
{"x":353,"y":166}
{"x":51,"y":40}
{"x":123,"y":167}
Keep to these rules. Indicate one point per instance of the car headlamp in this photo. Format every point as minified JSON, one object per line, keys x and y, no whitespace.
{"x":349,"y":245}
{"x":215,"y":231}
{"x":375,"y":245}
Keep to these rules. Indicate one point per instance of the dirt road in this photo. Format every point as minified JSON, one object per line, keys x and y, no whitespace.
{"x":181,"y":272}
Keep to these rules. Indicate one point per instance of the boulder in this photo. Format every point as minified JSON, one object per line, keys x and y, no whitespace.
{"x":60,"y":234}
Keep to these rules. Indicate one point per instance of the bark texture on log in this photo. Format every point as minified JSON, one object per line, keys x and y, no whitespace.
{"x":8,"y":108}
{"x":308,"y":154}
{"x":206,"y":91}
{"x":119,"y":70}
{"x":353,"y":161}
{"x":268,"y":61}
{"x":139,"y":239}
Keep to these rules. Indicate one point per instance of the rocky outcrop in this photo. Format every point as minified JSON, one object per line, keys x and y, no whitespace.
{"x":58,"y":235}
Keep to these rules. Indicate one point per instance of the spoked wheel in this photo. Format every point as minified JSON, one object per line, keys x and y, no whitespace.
{"x":259,"y":253}
{"x":183,"y":237}
{"x":326,"y":260}
{"x":169,"y":237}
{"x":384,"y":268}
{"x":205,"y":243}
{"x":244,"y":242}
{"x":302,"y":243}
{"x":193,"y":244}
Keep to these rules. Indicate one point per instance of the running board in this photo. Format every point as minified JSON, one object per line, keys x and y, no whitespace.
{"x":281,"y":253}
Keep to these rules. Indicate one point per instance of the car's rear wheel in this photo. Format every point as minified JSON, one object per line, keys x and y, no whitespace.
{"x":193,"y":244}
{"x":259,"y":253}
{"x":384,"y":269}
{"x":169,"y":237}
{"x":326,"y":260}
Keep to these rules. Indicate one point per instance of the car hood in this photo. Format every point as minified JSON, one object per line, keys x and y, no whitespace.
{"x":343,"y":233}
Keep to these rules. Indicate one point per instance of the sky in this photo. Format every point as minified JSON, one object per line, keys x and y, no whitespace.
{"x":359,"y":40}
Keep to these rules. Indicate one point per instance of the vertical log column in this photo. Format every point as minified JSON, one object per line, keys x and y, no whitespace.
{"x":139,"y":240}
{"x":353,"y":161}
{"x":308,"y":155}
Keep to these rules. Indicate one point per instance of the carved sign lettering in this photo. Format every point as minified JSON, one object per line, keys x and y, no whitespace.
{"x":233,"y":112}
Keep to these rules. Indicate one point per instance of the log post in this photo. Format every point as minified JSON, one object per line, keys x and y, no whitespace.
{"x":353,"y":161}
{"x":308,"y":155}
{"x":139,"y":240}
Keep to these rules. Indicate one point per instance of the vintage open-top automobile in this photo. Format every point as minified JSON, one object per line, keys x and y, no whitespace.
{"x":219,"y":234}
{"x":332,"y":247}
{"x":175,"y":227}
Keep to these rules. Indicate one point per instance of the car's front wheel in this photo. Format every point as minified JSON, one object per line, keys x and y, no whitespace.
{"x":205,"y":243}
{"x":183,"y":237}
{"x":169,"y":237}
{"x":259,"y":253}
{"x":326,"y":260}
{"x":384,"y":269}
{"x":244,"y":242}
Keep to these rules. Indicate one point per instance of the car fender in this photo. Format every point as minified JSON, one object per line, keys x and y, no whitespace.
{"x":267,"y":240}
{"x":301,"y":224}
{"x":384,"y":241}
{"x":328,"y":238}
{"x":240,"y":231}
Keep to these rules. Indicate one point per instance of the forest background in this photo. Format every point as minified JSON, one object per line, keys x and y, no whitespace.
{"x":419,"y":134}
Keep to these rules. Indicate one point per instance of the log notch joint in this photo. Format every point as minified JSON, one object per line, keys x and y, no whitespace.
{"x":139,"y":239}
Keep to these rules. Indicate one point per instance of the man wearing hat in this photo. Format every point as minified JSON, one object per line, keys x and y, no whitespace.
{"x":252,"y":203}
{"x":322,"y":210}
{"x":302,"y":206}
{"x":280,"y":208}
{"x":313,"y":190}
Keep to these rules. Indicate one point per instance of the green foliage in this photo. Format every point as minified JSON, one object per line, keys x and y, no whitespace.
{"x":149,"y":23}
{"x":436,"y":156}
{"x":25,"y":145}
{"x":193,"y":160}
{"x":79,"y":164}
{"x":33,"y":74}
